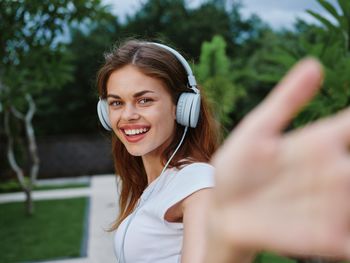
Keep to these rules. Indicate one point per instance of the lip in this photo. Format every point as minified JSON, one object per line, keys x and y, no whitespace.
{"x":136,"y":137}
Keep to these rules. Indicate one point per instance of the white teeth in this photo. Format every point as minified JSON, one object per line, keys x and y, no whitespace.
{"x":135,"y":131}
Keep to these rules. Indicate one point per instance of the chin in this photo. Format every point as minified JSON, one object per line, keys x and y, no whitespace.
{"x":143,"y":150}
{"x":136,"y":152}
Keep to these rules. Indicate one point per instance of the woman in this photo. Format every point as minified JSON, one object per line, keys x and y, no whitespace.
{"x":163,"y":137}
{"x":283,"y":192}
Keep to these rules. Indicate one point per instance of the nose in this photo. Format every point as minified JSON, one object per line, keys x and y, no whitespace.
{"x":129,"y":113}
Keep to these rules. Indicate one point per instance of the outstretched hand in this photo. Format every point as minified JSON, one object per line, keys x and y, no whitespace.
{"x":285,"y":192}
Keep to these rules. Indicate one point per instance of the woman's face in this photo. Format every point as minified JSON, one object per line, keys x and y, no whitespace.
{"x":141,"y":111}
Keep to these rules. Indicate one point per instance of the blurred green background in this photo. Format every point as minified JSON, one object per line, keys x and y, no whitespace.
{"x":51,"y":50}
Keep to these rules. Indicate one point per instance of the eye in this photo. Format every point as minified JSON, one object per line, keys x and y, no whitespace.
{"x":114,"y":103}
{"x":144,"y":101}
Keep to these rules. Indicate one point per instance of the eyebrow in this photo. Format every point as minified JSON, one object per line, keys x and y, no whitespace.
{"x":137,"y":94}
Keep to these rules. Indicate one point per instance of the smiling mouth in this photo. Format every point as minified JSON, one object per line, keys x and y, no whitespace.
{"x":134,"y":132}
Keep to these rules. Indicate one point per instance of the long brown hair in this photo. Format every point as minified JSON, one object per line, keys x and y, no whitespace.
{"x":200,"y":142}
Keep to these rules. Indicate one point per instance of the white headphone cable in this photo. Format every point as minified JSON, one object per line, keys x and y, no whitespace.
{"x":121,"y":259}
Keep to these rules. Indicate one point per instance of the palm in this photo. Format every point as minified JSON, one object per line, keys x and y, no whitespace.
{"x":286,"y":192}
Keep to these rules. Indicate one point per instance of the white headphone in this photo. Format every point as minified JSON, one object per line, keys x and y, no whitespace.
{"x":188,"y":105}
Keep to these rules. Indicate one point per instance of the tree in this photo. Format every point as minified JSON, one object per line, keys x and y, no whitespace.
{"x":79,"y":96}
{"x":334,"y":52}
{"x":33,"y":62}
{"x":278,"y":51}
{"x":329,"y":43}
{"x":214,"y":73}
{"x":340,"y":30}
{"x":175,"y":23}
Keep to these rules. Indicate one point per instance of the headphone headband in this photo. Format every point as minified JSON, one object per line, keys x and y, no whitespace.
{"x":191,"y":79}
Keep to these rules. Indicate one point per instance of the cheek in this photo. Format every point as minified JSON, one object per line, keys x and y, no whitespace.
{"x":165,"y":118}
{"x":114,"y":117}
{"x":167,"y":126}
{"x":113,"y":120}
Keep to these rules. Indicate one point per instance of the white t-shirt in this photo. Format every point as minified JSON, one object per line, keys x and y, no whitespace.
{"x":149,"y":237}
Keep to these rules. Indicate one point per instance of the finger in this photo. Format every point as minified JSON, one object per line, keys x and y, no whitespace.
{"x":287,"y":98}
{"x":347,"y":248}
{"x":339,"y":126}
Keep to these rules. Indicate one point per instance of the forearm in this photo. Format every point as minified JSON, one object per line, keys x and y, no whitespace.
{"x":223,"y":248}
{"x":220,"y":254}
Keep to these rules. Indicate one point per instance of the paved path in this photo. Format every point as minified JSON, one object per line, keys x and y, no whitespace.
{"x":47,"y":194}
{"x":103,"y":210}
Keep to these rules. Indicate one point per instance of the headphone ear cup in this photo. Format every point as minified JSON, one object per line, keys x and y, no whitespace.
{"x":187,"y":109}
{"x":180,"y":109}
{"x":102,"y":112}
{"x":195,"y":109}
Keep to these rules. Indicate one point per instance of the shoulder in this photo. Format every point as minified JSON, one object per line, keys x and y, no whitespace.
{"x":197,"y":165}
{"x":194,"y":175}
{"x":196,"y":170}
{"x":186,"y":181}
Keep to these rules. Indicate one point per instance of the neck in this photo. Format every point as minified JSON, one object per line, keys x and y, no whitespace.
{"x":152,"y":162}
{"x":153,"y":167}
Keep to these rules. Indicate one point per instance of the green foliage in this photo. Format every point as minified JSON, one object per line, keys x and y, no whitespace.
{"x":214,"y":72}
{"x":36,"y":238}
{"x":187,"y":28}
{"x":40,"y":70}
{"x":334,"y":95}
{"x":32,"y":58}
{"x":176,"y":24}
{"x":27,"y":23}
{"x":79,"y":96}
{"x":341,"y":30}
{"x":257,"y":72}
{"x":331,"y":46}
{"x":213,"y":59}
{"x":278,"y":51}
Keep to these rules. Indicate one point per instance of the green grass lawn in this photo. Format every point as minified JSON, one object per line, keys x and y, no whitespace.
{"x":272,"y":258}
{"x":55,"y":230}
